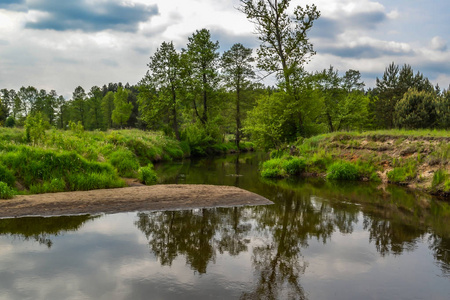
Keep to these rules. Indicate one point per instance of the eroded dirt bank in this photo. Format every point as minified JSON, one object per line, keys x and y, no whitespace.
{"x":135,"y":198}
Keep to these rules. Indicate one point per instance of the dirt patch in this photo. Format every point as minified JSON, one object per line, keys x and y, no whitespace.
{"x":134,"y":198}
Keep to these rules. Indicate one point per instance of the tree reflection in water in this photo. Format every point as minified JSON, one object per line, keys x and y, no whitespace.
{"x":41,"y":229}
{"x":196,"y":234}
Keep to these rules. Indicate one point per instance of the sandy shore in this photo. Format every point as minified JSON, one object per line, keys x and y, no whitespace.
{"x":135,"y":198}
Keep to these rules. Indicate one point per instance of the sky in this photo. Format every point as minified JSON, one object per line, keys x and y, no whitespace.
{"x":59,"y":45}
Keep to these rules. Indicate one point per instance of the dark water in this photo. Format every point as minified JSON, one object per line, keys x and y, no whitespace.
{"x":320,"y":240}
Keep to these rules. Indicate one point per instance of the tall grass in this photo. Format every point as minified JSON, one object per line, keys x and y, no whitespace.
{"x":6,"y":192}
{"x":44,"y":170}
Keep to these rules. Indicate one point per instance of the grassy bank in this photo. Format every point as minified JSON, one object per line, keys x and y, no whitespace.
{"x":56,"y":160}
{"x":418,"y":159}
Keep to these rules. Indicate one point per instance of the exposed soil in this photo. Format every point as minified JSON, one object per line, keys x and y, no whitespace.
{"x":429,"y":153}
{"x":133,"y":198}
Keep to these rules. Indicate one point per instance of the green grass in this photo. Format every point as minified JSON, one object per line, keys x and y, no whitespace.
{"x":147,"y":175}
{"x":404,"y":172}
{"x":342,"y":170}
{"x":6,"y":192}
{"x":282,"y":167}
{"x":125,"y":162}
{"x":439,"y":177}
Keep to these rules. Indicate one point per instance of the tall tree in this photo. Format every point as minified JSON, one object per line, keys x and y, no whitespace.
{"x":62,"y":112}
{"x":237,"y":69}
{"x":163,"y":76}
{"x":394,"y":83}
{"x":108,"y":108}
{"x":7,"y":97}
{"x":94,"y":104}
{"x":122,"y":109}
{"x":285,"y":47}
{"x":28,"y":96}
{"x":201,"y":58}
{"x":79,"y":105}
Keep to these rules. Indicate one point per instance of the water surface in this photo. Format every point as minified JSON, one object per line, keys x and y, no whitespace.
{"x":320,"y":240}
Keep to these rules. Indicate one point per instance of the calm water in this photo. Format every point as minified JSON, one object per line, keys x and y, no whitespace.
{"x":318,"y":241}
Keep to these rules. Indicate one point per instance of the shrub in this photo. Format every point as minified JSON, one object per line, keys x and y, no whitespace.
{"x":282,"y":167}
{"x":342,"y":170}
{"x":35,"y":127}
{"x":294,"y":166}
{"x":272,"y":168}
{"x":125,"y":162}
{"x":10,"y":122}
{"x":147,"y":175}
{"x":5,"y":191}
{"x":7,"y":176}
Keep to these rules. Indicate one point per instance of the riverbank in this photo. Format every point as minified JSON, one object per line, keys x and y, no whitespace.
{"x":135,"y":198}
{"x":77,"y":160}
{"x":415,"y":159}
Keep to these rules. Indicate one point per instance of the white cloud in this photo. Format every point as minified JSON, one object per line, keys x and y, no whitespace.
{"x":438,"y":43}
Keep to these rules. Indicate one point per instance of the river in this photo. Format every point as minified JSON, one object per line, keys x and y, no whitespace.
{"x":319,"y":240}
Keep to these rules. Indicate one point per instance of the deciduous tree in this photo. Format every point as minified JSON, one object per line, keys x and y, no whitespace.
{"x":122,"y":109}
{"x":285,"y":46}
{"x":237,"y":69}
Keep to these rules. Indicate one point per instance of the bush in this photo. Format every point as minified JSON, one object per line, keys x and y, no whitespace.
{"x":294,"y":166}
{"x":7,"y":176}
{"x":342,"y":170}
{"x":5,"y":191}
{"x":10,"y":122}
{"x":147,"y":175}
{"x":125,"y":162}
{"x":35,"y":127}
{"x":282,"y":167}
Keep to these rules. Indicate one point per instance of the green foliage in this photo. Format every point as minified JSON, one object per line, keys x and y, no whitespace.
{"x":198,"y":139}
{"x":122,"y":109}
{"x":367,"y":169}
{"x":125,"y":162}
{"x":266,"y":123}
{"x":407,"y":171}
{"x":201,"y":62}
{"x":282,"y":167}
{"x":443,"y":110}
{"x":7,"y":176}
{"x":51,"y":186}
{"x":107,"y":107}
{"x":160,"y":89}
{"x":439,"y":177}
{"x":147,"y":175}
{"x":342,"y":170}
{"x":76,"y":128}
{"x":6,"y":192}
{"x":390,"y":89}
{"x":10,"y":122}
{"x":35,"y":127}
{"x":33,"y":165}
{"x":93,"y":180}
{"x":416,"y":110}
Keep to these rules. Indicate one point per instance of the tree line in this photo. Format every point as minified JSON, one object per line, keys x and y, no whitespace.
{"x":198,"y":95}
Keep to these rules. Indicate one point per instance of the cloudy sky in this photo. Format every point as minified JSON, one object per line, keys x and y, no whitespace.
{"x":54,"y":44}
